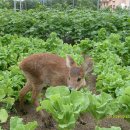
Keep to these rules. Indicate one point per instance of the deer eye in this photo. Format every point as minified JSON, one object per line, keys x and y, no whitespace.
{"x":79,"y":79}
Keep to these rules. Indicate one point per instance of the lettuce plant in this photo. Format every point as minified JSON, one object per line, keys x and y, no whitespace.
{"x":17,"y":124}
{"x":65,"y":107}
{"x":3,"y":115}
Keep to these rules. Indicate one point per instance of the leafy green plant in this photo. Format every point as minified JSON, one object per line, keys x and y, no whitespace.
{"x":3,"y":115}
{"x":124,"y":101}
{"x":65,"y":107}
{"x":112,"y":128}
{"x":17,"y":124}
{"x":4,"y":4}
{"x":102,"y":105}
{"x":5,"y":94}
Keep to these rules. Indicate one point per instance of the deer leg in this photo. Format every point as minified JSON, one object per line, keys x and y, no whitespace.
{"x":35,"y":93}
{"x":22,"y":93}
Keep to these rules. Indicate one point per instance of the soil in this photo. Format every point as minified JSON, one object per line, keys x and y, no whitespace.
{"x":32,"y":115}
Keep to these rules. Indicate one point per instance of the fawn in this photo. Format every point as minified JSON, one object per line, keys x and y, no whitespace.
{"x":47,"y":69}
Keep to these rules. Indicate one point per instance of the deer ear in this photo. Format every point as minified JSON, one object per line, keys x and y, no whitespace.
{"x":69,"y":61}
{"x":88,"y":65}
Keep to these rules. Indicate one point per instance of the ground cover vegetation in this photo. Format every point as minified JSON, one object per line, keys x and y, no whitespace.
{"x":105,"y":36}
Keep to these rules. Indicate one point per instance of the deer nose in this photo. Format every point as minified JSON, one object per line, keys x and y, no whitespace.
{"x":70,"y":89}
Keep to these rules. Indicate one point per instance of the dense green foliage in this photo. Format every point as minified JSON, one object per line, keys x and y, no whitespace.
{"x":111,"y":57}
{"x":3,"y":115}
{"x":88,"y":4}
{"x":64,"y":106}
{"x":4,"y":4}
{"x":26,"y":4}
{"x":105,"y":36}
{"x":30,"y":4}
{"x":70,"y":25}
{"x":17,"y":124}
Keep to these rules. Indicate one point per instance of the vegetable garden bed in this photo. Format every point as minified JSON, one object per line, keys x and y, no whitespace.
{"x":33,"y":116}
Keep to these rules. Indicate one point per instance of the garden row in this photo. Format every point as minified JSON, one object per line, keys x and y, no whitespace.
{"x":70,"y":24}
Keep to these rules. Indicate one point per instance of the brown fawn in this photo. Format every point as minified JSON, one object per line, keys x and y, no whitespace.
{"x":45,"y":69}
